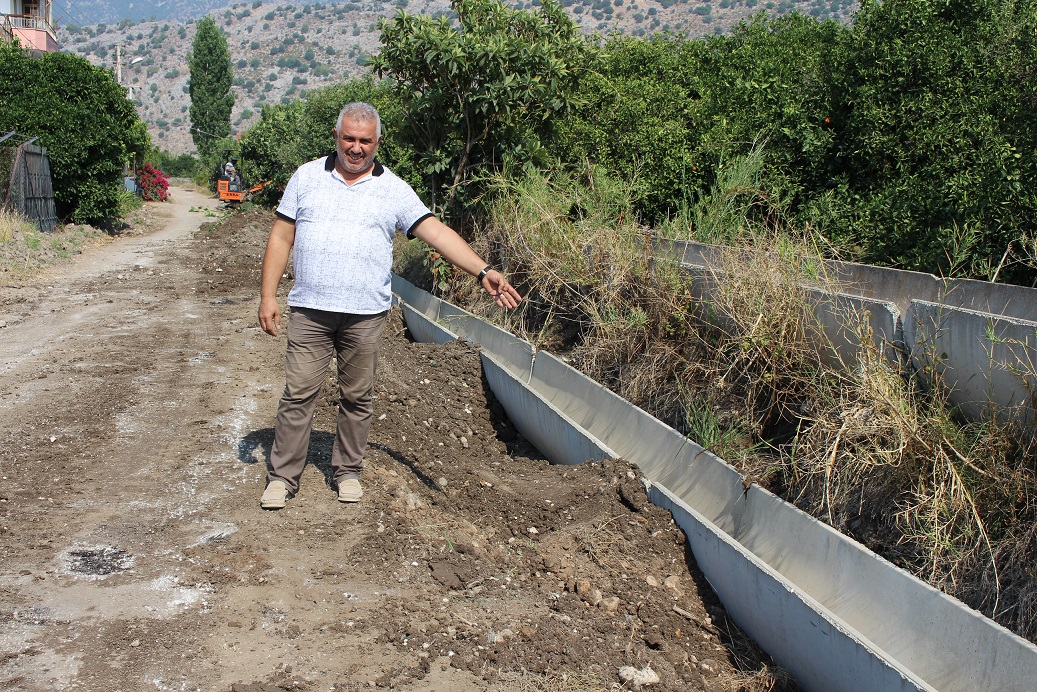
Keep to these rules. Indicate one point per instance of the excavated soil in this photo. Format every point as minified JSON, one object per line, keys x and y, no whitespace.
{"x":136,"y":400}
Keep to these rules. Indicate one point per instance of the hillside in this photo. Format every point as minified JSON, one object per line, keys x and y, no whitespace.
{"x":89,"y":12}
{"x":282,"y":51}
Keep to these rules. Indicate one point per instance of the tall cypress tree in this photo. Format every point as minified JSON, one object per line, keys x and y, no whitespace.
{"x":211,"y":98}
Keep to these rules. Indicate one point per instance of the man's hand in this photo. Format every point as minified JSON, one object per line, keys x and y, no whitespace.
{"x":275,"y":259}
{"x":502,"y":292}
{"x":269,"y":315}
{"x":457,"y":252}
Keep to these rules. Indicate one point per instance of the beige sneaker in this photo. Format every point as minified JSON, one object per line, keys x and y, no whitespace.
{"x":349,"y":490}
{"x":274,"y":496}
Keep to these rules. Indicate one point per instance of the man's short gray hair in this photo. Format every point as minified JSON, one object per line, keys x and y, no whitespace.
{"x":363,"y":112}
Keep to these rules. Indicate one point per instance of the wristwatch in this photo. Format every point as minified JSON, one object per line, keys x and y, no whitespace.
{"x":484,"y":272}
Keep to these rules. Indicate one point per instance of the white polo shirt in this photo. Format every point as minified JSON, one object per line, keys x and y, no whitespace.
{"x":343,"y":235}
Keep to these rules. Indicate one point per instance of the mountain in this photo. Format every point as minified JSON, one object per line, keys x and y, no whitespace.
{"x":91,"y":12}
{"x":279,"y":52}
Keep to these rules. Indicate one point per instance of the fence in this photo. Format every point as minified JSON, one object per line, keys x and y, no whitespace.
{"x":30,"y":21}
{"x":25,"y":183}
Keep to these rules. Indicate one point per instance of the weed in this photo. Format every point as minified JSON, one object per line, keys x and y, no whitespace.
{"x":560,"y":681}
{"x":62,"y":247}
{"x":703,"y":425}
{"x":439,"y":269}
{"x":128,"y":203}
{"x":208,"y":211}
{"x":11,"y":224}
{"x":409,"y":261}
{"x":24,"y":250}
{"x":736,"y":196}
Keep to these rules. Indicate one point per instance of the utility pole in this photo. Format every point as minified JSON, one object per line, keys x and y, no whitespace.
{"x":118,"y":64}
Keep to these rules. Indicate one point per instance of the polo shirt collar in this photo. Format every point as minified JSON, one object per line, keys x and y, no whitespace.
{"x":329,"y":165}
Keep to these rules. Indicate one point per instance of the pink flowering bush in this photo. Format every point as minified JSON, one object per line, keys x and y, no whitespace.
{"x":154,"y":186}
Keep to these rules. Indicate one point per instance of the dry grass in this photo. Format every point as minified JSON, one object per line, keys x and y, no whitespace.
{"x":24,"y":251}
{"x":563,"y":681}
{"x":11,"y":224}
{"x":860,"y":444}
{"x":585,"y":268}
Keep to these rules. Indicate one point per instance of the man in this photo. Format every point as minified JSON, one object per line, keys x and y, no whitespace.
{"x":340,"y":214}
{"x":234,"y":182}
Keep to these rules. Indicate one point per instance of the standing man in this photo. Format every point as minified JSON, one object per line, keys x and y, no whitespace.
{"x":340,"y":214}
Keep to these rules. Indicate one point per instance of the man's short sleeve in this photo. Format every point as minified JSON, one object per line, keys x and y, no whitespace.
{"x":410,"y":210}
{"x":289,"y":207}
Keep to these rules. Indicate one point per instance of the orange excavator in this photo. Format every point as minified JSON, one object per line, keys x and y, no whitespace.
{"x":229,"y":186}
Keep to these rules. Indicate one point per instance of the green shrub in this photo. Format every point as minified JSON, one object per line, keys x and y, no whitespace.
{"x":83,"y":119}
{"x":286,"y":136}
{"x":937,"y":132}
{"x":483,"y":95}
{"x":129,"y":202}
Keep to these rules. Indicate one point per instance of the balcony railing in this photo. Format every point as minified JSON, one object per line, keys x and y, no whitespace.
{"x":28,"y":21}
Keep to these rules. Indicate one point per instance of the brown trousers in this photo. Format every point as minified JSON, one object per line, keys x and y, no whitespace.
{"x":313,"y":337}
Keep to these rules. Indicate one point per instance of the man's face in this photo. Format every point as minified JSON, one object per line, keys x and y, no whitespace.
{"x":357,"y":143}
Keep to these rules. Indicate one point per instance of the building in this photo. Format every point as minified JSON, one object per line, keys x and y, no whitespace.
{"x":31,"y":22}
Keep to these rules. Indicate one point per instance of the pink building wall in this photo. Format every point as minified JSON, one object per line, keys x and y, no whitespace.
{"x":36,"y":39}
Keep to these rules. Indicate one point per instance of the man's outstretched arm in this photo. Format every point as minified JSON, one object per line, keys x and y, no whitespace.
{"x":275,"y":260}
{"x":457,"y":252}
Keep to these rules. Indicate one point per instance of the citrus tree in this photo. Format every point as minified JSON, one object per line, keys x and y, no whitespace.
{"x":81,"y":115}
{"x":938,"y":133}
{"x":638,"y":116}
{"x":480,"y":91}
{"x":768,"y":86}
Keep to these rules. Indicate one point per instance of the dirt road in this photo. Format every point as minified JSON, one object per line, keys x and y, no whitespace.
{"x":136,"y":398}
